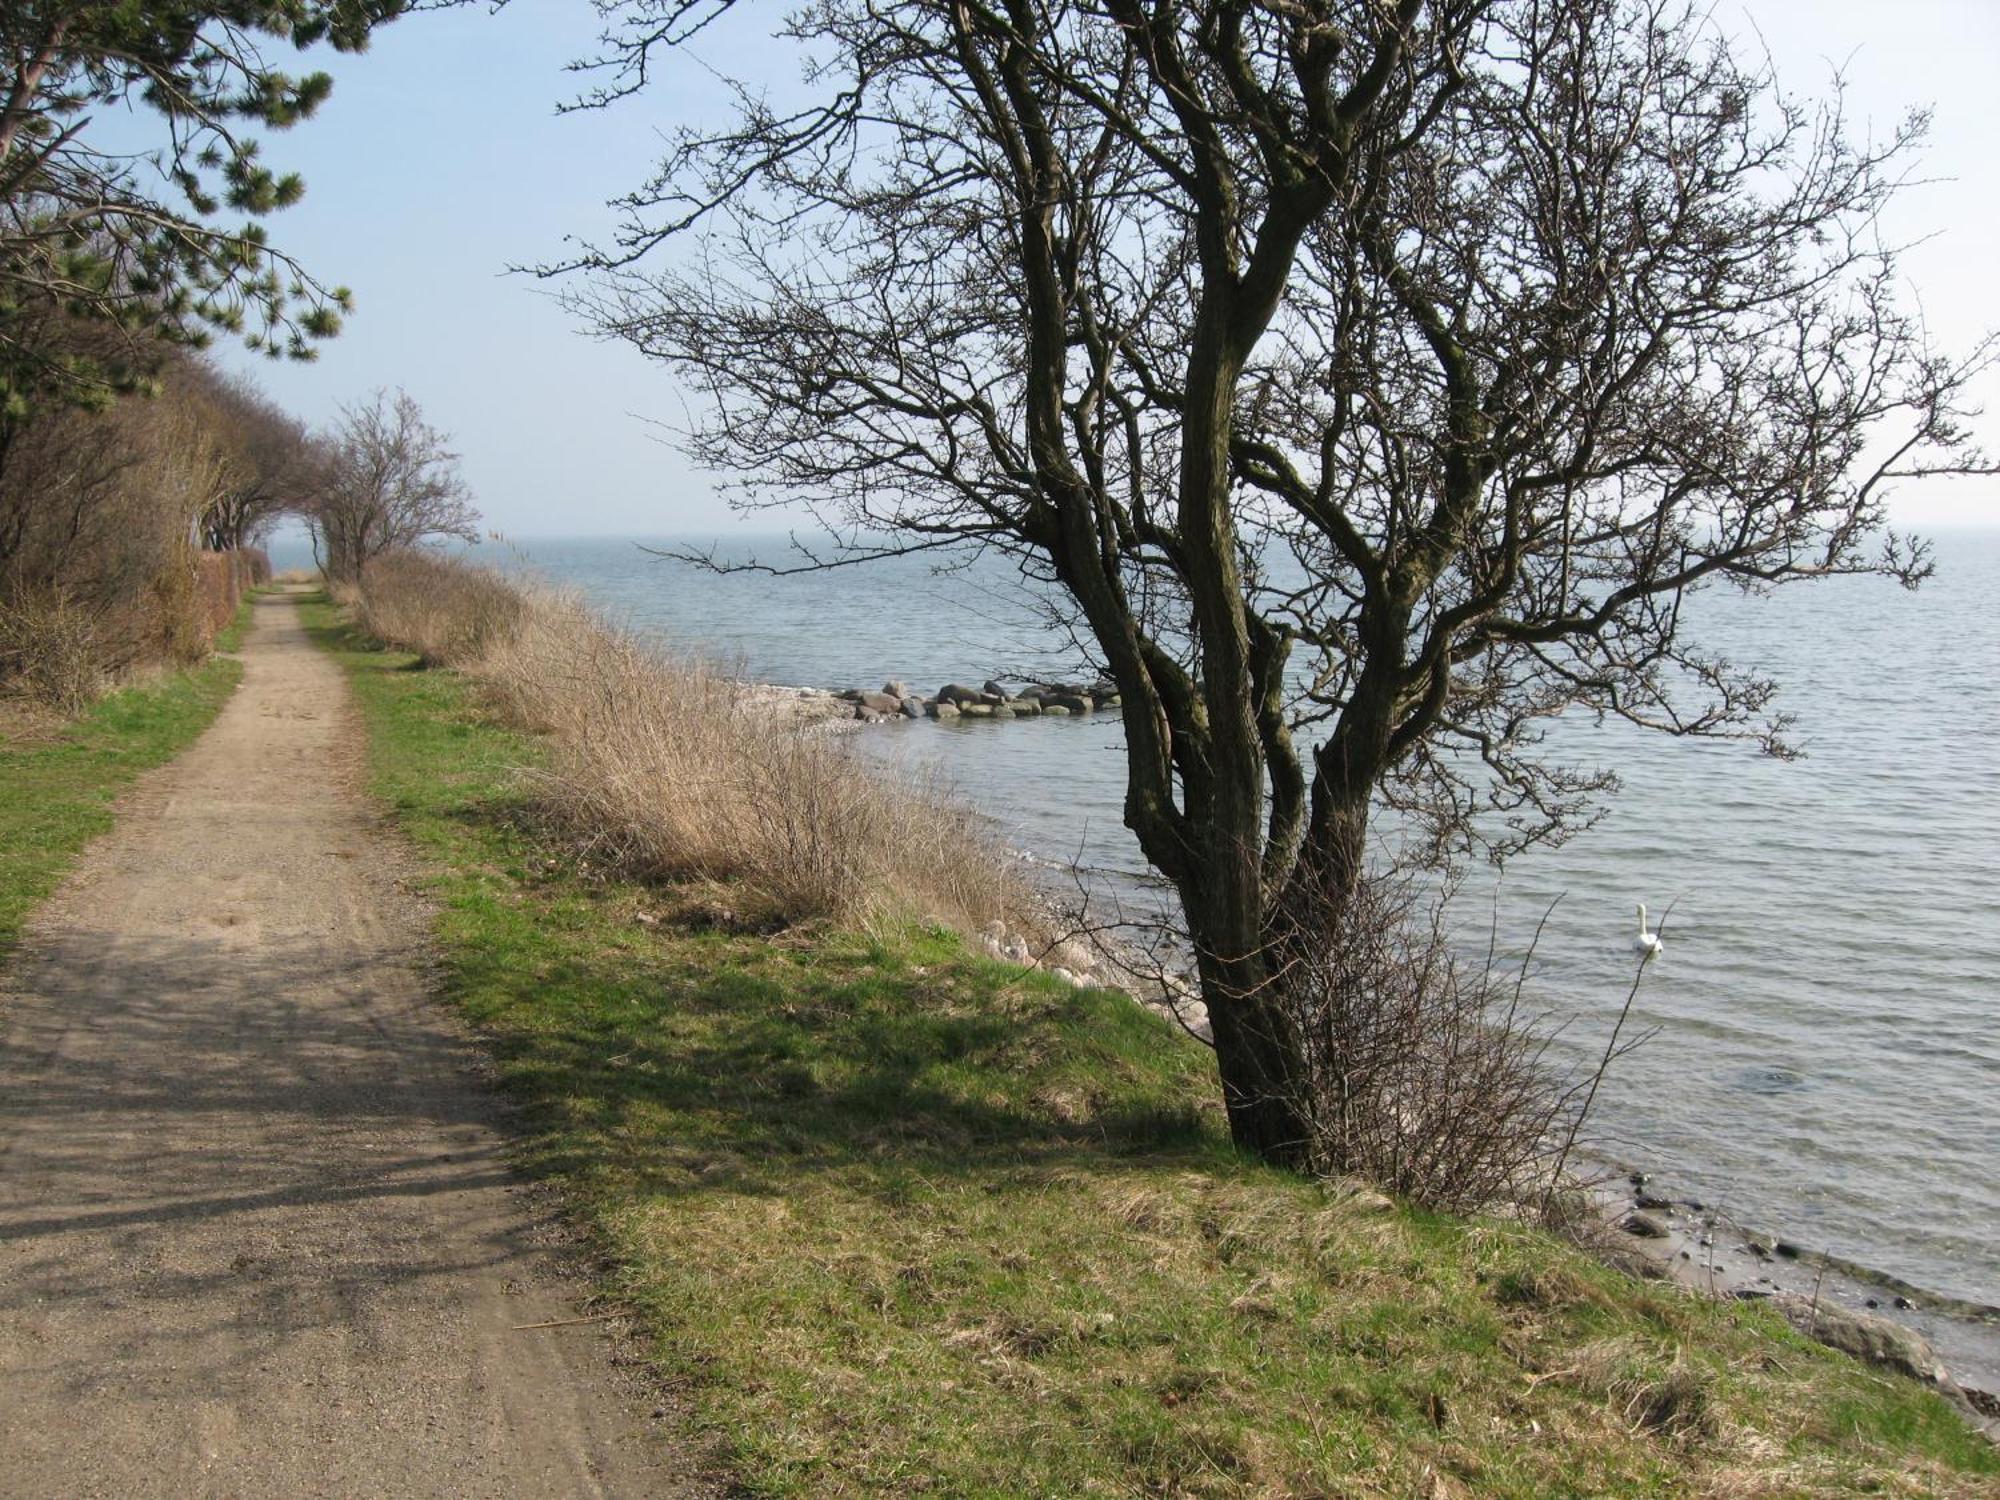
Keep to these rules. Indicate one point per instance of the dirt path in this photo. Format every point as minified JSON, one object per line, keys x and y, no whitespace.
{"x":257,"y":1234}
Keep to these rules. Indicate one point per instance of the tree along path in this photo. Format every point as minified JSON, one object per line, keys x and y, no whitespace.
{"x":258,"y":1236}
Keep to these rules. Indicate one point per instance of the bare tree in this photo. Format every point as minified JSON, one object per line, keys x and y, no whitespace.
{"x":1378,"y":377}
{"x":272,"y":464}
{"x":392,"y":481}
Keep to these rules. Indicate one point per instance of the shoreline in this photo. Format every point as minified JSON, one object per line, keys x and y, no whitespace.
{"x":1717,"y":1254}
{"x":1698,"y":1246}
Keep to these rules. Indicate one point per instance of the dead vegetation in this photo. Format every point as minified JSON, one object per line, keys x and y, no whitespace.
{"x":663,"y":768}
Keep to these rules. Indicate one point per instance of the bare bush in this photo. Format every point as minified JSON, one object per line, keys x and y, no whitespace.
{"x":666,"y":769}
{"x":49,"y":652}
{"x":1423,"y":1074}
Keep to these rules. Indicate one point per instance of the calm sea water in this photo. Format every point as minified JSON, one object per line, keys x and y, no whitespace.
{"x":1825,"y":1060}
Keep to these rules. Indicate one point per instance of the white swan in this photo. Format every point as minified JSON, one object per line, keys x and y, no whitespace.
{"x":1647,"y":944}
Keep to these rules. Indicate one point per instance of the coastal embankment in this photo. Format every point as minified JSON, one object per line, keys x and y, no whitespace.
{"x":892,"y":1212}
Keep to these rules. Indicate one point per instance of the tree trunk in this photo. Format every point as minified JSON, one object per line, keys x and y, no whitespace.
{"x":1264,"y":1085}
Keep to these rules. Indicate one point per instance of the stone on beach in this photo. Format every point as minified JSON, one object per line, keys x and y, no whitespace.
{"x":1870,"y":1339}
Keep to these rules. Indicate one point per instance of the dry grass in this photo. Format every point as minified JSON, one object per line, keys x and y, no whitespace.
{"x":450,"y":614}
{"x":665,"y":769}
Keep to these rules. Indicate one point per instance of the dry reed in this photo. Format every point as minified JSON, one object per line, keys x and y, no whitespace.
{"x":662,"y":768}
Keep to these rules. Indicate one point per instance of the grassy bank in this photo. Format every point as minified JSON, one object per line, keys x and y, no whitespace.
{"x":58,"y":779}
{"x":902,"y":1220}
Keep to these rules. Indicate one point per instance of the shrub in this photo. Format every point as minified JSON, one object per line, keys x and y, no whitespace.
{"x":49,"y":651}
{"x":1424,"y":1076}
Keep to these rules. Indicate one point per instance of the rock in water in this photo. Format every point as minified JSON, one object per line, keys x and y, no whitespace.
{"x":881,"y":703}
{"x":941,"y":708}
{"x":913,"y":708}
{"x":895,"y":690}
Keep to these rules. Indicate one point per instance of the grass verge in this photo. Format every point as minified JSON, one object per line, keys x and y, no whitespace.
{"x":901,"y":1220}
{"x":57,"y":788}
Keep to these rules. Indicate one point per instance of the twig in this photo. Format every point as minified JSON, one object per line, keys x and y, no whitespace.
{"x":567,"y":1322}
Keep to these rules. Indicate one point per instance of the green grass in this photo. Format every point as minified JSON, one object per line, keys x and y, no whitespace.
{"x":56,"y":791}
{"x":900,"y":1220}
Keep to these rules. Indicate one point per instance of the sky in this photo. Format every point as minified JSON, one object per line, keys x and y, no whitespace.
{"x":440,"y":162}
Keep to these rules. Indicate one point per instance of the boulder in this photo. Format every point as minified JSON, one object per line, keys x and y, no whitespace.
{"x":913,"y":708}
{"x":941,"y":708}
{"x":1870,"y":1339}
{"x":1002,"y":709}
{"x":957,"y":692}
{"x":895,"y":690}
{"x":881,"y":703}
{"x":1076,"y":703}
{"x":974,"y":708}
{"x":1646,"y":1226}
{"x":1034,"y":691}
{"x":1055,"y":711}
{"x":1026,"y":708}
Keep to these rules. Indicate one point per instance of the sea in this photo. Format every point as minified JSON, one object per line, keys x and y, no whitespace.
{"x":1821,"y":1053}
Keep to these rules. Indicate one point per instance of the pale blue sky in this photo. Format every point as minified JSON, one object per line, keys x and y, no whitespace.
{"x":439,"y":161}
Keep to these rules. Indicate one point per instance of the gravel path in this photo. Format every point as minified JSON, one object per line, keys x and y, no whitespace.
{"x":257,"y":1232}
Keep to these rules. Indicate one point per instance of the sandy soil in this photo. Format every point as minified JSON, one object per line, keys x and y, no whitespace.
{"x":257,"y":1232}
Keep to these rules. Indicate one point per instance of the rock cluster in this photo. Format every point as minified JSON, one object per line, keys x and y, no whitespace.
{"x":994,"y":700}
{"x":1081,"y":965}
{"x":1071,"y":962}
